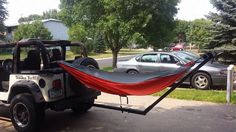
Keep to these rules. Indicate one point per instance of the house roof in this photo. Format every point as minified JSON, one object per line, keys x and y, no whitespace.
{"x":43,"y":21}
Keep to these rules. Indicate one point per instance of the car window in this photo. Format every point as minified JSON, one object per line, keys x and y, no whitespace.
{"x":186,"y":57}
{"x":165,"y":58}
{"x":149,"y":58}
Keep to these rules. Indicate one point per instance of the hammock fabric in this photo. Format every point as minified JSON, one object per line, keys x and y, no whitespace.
{"x":122,"y":83}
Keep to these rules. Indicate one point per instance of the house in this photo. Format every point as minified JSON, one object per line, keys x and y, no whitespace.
{"x":57,"y":28}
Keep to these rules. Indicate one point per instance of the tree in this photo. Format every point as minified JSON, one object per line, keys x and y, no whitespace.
{"x":180,"y":30}
{"x":32,"y":17}
{"x":224,"y":24}
{"x":99,"y":45}
{"x":160,"y":26}
{"x":198,"y":32}
{"x":120,"y":20}
{"x":50,"y":14}
{"x":3,"y":16}
{"x":33,"y":30}
{"x":77,"y":32}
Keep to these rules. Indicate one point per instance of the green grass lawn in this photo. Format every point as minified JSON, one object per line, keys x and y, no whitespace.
{"x":199,"y":95}
{"x":123,"y":52}
{"x":108,"y":69}
{"x":108,"y":53}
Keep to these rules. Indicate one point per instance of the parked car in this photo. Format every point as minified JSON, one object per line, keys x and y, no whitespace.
{"x":211,"y":74}
{"x":177,"y":47}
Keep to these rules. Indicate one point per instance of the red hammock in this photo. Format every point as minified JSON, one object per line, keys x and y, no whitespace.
{"x":123,"y":83}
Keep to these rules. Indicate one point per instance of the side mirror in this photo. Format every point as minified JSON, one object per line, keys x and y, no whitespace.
{"x":179,"y":63}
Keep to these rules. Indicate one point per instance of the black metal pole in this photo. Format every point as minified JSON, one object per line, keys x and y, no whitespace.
{"x":207,"y":57}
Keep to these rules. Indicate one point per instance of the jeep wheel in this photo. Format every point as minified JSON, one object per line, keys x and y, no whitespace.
{"x":83,"y":107}
{"x":24,"y":113}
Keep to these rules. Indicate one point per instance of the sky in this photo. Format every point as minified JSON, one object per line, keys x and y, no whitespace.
{"x":194,"y":9}
{"x":188,"y":9}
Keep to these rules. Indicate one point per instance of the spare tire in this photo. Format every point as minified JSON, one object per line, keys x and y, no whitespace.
{"x":76,"y":85}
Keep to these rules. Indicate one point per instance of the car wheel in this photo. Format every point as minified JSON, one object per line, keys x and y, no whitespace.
{"x":24,"y":113}
{"x":132,"y":72}
{"x":201,"y":80}
{"x":83,"y":107}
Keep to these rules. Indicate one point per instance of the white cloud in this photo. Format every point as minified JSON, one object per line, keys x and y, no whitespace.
{"x":22,"y":8}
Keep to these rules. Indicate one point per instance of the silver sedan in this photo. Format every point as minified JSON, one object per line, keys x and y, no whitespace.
{"x":211,"y":74}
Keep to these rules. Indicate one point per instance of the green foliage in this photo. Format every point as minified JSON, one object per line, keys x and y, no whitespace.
{"x":199,"y":95}
{"x":121,"y":20}
{"x":198,"y":32}
{"x":181,"y":29}
{"x":3,"y":16}
{"x":159,"y":29}
{"x":46,"y":15}
{"x":3,"y":11}
{"x":86,"y":12}
{"x":50,"y":14}
{"x":32,"y":17}
{"x":99,"y":45}
{"x":107,"y":69}
{"x":138,"y":39}
{"x":78,"y":33}
{"x":224,"y":26}
{"x":33,"y":30}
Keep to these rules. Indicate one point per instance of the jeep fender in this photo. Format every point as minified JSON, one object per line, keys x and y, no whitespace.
{"x":26,"y":86}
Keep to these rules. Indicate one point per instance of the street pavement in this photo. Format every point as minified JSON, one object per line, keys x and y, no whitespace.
{"x":107,"y":62}
{"x":171,"y":115}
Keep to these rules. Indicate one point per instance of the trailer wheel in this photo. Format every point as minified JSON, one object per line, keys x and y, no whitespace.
{"x":83,"y":107}
{"x":24,"y":113}
{"x":75,"y":84}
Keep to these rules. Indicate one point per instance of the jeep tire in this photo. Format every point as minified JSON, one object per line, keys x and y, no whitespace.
{"x":75,"y":84}
{"x":26,"y":115}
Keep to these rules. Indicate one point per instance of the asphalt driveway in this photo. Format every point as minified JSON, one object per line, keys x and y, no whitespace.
{"x":170,"y":115}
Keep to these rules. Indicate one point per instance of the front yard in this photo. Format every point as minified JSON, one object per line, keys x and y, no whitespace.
{"x":215,"y":96}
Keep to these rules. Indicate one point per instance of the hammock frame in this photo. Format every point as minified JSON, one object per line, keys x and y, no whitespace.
{"x":207,"y":57}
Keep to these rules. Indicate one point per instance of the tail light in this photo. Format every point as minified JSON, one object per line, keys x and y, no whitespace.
{"x":56,"y":84}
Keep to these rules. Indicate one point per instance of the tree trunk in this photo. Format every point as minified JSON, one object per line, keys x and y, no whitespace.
{"x":114,"y":60}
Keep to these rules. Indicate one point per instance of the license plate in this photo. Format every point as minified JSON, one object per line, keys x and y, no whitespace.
{"x":55,"y":93}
